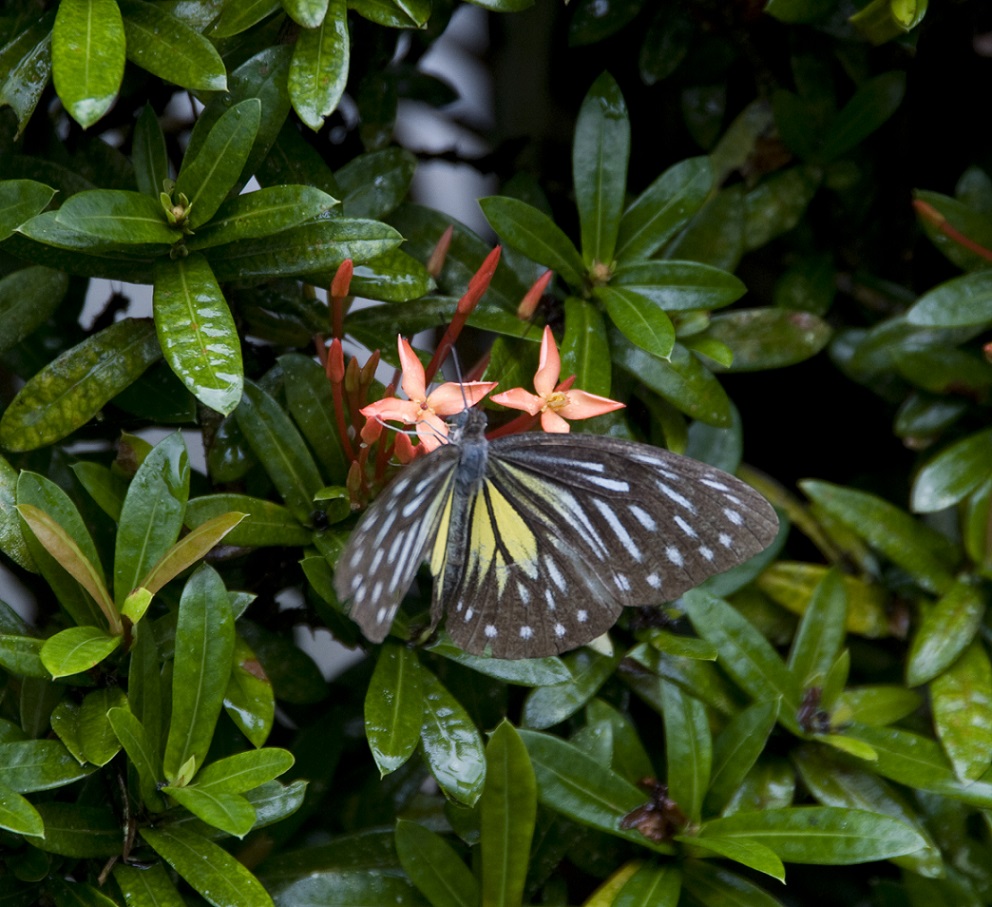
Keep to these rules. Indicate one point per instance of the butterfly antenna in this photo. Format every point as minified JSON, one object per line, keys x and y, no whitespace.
{"x":459,"y":378}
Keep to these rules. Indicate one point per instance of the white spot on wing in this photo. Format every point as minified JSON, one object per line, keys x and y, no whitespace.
{"x":582,"y":616}
{"x":526,"y":632}
{"x":685,"y":527}
{"x":653,"y":580}
{"x":674,"y":555}
{"x":622,"y":582}
{"x":725,"y":540}
{"x":643,"y":517}
{"x":559,"y":630}
{"x":619,"y":530}
{"x":673,"y":495}
{"x":608,"y":484}
{"x":733,"y":516}
{"x":706,"y":552}
{"x":468,"y":614}
{"x":491,"y":631}
{"x":557,"y":577}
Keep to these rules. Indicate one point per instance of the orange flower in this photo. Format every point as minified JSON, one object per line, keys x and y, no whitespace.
{"x":424,"y":410}
{"x":552,"y":401}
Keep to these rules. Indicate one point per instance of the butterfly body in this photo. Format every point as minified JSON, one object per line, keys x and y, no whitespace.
{"x":538,"y":541}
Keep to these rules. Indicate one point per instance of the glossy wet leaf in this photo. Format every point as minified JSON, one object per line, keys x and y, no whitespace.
{"x":508,"y":810}
{"x":140,"y":753}
{"x":17,"y":815}
{"x":73,"y":388}
{"x":528,"y":672}
{"x":228,"y":812}
{"x":308,"y":395}
{"x":27,"y":61}
{"x":88,"y":57}
{"x":658,"y":885}
{"x":118,"y":217}
{"x":769,"y":338}
{"x":211,"y":870}
{"x":941,"y":211}
{"x":688,"y":749}
{"x":319,"y":69}
{"x":954,"y":473}
{"x":752,"y":854}
{"x":22,"y":655}
{"x":204,"y":648}
{"x":77,"y":649}
{"x":249,"y":700}
{"x":818,"y":640}
{"x":434,"y":867}
{"x":679,"y":285}
{"x":641,"y":321}
{"x":264,"y":523}
{"x":96,"y":736}
{"x":12,"y":541}
{"x":394,"y":707}
{"x":961,"y":699}
{"x":947,"y":629}
{"x":373,"y":184}
{"x":148,"y":153}
{"x":452,"y":745}
{"x":878,"y":705}
{"x":20,"y":200}
{"x":164,"y":45}
{"x":735,"y":751}
{"x":32,"y":765}
{"x":197,"y":332}
{"x":147,"y":885}
{"x":84,"y":832}
{"x":873,"y":103}
{"x":547,"y":706}
{"x":777,"y":204}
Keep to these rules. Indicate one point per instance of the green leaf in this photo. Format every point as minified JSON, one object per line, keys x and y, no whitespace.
{"x":582,"y":788}
{"x":59,"y":542}
{"x":64,"y":719}
{"x":266,"y":523}
{"x":115,"y":216}
{"x":927,"y":555}
{"x":249,"y":700}
{"x":152,"y":515}
{"x":22,"y":655}
{"x":96,"y":736}
{"x":165,"y":46}
{"x":27,"y":61}
{"x":961,"y":699}
{"x":278,"y":445}
{"x":148,"y":153}
{"x":777,"y":204}
{"x":688,"y":749}
{"x":318,"y":247}
{"x":600,"y":152}
{"x":744,"y":653}
{"x":878,"y":705}
{"x":547,"y":706}
{"x":20,"y":200}
{"x":32,"y":765}
{"x":659,"y":886}
{"x":752,"y":854}
{"x":197,"y":332}
{"x":73,"y":388}
{"x":12,"y":540}
{"x":105,"y":486}
{"x":736,"y":750}
{"x":662,"y":209}
{"x":536,"y":235}
{"x":84,"y":832}
{"x":769,"y":338}
{"x":214,"y":169}
{"x":306,"y":13}
{"x":239,"y":17}
{"x":679,"y":285}
{"x":452,"y":746}
{"x":88,"y":57}
{"x":228,"y":812}
{"x":244,"y":771}
{"x":629,"y":758}
{"x":318,"y":72}
{"x":508,"y":811}
{"x":528,"y":672}
{"x":954,"y":473}
{"x":212,"y":871}
{"x":824,"y":835}
{"x":820,"y":636}
{"x":873,"y":103}
{"x":18,"y":815}
{"x":141,"y":753}
{"x":149,"y":885}
{"x":204,"y":649}
{"x":373,"y":184}
{"x":639,"y":320}
{"x":262,"y":213}
{"x":394,"y":707}
{"x":967,"y":221}
{"x":965,"y":301}
{"x":946,"y":630}
{"x":434,"y":867}
{"x":585,"y":351}
{"x":77,"y":649}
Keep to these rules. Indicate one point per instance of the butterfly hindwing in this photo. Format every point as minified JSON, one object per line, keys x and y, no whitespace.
{"x":392,"y":539}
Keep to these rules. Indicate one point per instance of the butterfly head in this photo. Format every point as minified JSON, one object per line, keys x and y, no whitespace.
{"x":468,"y":425}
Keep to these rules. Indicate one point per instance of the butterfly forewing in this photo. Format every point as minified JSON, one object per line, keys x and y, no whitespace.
{"x":392,"y":539}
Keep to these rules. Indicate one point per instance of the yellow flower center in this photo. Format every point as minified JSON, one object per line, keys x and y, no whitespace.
{"x":555,"y":401}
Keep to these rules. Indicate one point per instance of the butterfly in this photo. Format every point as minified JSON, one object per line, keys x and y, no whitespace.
{"x":537,"y":541}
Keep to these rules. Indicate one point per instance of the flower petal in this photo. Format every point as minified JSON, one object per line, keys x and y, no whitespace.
{"x":549,"y":367}
{"x":552,"y":422}
{"x":452,"y":398}
{"x":431,"y":430}
{"x":392,"y":409}
{"x":583,"y":405}
{"x":412,"y":382}
{"x":518,"y":398}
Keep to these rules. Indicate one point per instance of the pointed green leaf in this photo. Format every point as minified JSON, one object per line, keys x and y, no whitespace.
{"x":12,"y":540}
{"x":148,"y":153}
{"x":244,"y":771}
{"x":394,"y":707}
{"x":662,"y":209}
{"x":84,"y":832}
{"x":585,"y":351}
{"x":877,"y":705}
{"x":77,"y":649}
{"x":18,"y":815}
{"x":715,"y":235}
{"x":688,"y":749}
{"x":22,"y":655}
{"x":64,"y":720}
{"x":679,"y":285}
{"x":88,"y":57}
{"x":239,"y":17}
{"x":629,"y":758}
{"x":434,"y":867}
{"x":165,"y":46}
{"x":659,"y":886}
{"x":204,"y":648}
{"x":736,"y":750}
{"x":744,"y":653}
{"x":508,"y":809}
{"x":96,"y":736}
{"x":373,"y":184}
{"x":961,"y":699}
{"x":820,"y":834}
{"x":777,"y":204}
{"x":118,"y":217}
{"x":140,"y":752}
{"x":105,"y":486}
{"x":263,"y":522}
{"x":452,"y":745}
{"x":32,"y":765}
{"x":306,"y":13}
{"x":536,"y":235}
{"x":945,"y":631}
{"x":149,"y":885}
{"x":639,"y":320}
{"x":924,"y":553}
{"x":954,"y":473}
{"x":216,"y":166}
{"x":20,"y":200}
{"x":769,"y":338}
{"x":527,"y":672}
{"x":873,"y":103}
{"x":278,"y":445}
{"x":249,"y":700}
{"x":820,"y":636}
{"x":197,"y":332}
{"x":752,"y":854}
{"x":28,"y":297}
{"x":600,"y":153}
{"x":318,"y":72}
{"x":152,"y":515}
{"x":546,"y":706}
{"x":73,"y":388}
{"x":211,"y":870}
{"x":228,"y":812}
